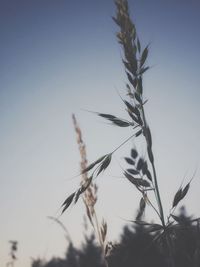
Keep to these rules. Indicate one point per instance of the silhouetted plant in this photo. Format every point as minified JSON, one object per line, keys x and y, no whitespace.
{"x":89,"y":255}
{"x":37,"y":263}
{"x":12,"y":254}
{"x":142,"y":171}
{"x":90,"y":194}
{"x":135,"y":248}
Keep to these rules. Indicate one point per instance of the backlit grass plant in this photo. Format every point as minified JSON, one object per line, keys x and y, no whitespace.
{"x":142,"y":170}
{"x":90,"y":195}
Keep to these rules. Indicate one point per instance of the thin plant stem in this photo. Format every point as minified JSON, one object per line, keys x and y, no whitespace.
{"x":99,"y":237}
{"x":148,"y":200}
{"x":157,"y":193}
{"x":123,"y":143}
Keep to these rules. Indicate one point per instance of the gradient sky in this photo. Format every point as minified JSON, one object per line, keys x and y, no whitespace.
{"x":58,"y":57}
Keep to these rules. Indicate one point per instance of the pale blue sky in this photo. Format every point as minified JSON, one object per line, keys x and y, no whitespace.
{"x":59,"y":57}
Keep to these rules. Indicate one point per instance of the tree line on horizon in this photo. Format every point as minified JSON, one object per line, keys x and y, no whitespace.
{"x":137,"y":247}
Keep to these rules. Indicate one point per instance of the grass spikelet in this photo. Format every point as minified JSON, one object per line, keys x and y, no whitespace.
{"x":89,"y":189}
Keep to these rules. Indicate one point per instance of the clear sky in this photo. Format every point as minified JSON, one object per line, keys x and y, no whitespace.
{"x":58,"y":57}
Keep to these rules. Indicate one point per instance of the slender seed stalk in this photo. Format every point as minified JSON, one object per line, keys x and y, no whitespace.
{"x":90,"y":195}
{"x":151,"y":204}
{"x":100,"y":238}
{"x":157,"y":192}
{"x":158,"y":195}
{"x":134,"y":60}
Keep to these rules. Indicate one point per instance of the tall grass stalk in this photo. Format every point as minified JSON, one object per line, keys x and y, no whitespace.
{"x":90,"y":194}
{"x":142,"y":171}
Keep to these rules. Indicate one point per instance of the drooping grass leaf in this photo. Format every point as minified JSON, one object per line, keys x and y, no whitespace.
{"x":128,"y":87}
{"x":140,"y":121}
{"x":138,"y":133}
{"x":134,"y":82}
{"x":132,"y":171}
{"x":82,"y":188}
{"x":134,"y":153}
{"x":133,"y":109}
{"x":86,"y":184}
{"x":120,"y":123}
{"x":177,"y":198}
{"x":131,"y":80}
{"x":115,"y":120}
{"x":127,"y":65}
{"x":91,"y":166}
{"x":143,"y":182}
{"x":148,"y":175}
{"x":130,"y":161}
{"x":68,"y":202}
{"x":105,"y":163}
{"x":138,"y":98}
{"x":133,"y":33}
{"x":144,"y":168}
{"x":138,"y":45}
{"x":139,"y":86}
{"x":107,"y":116}
{"x":180,"y":194}
{"x":133,"y":118}
{"x":140,"y":164}
{"x":144,"y":56}
{"x":136,"y":181}
{"x":143,"y":70}
{"x":116,"y":21}
{"x":185,"y":190}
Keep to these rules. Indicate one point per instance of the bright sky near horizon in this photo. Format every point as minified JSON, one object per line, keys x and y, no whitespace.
{"x":60,"y":57}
